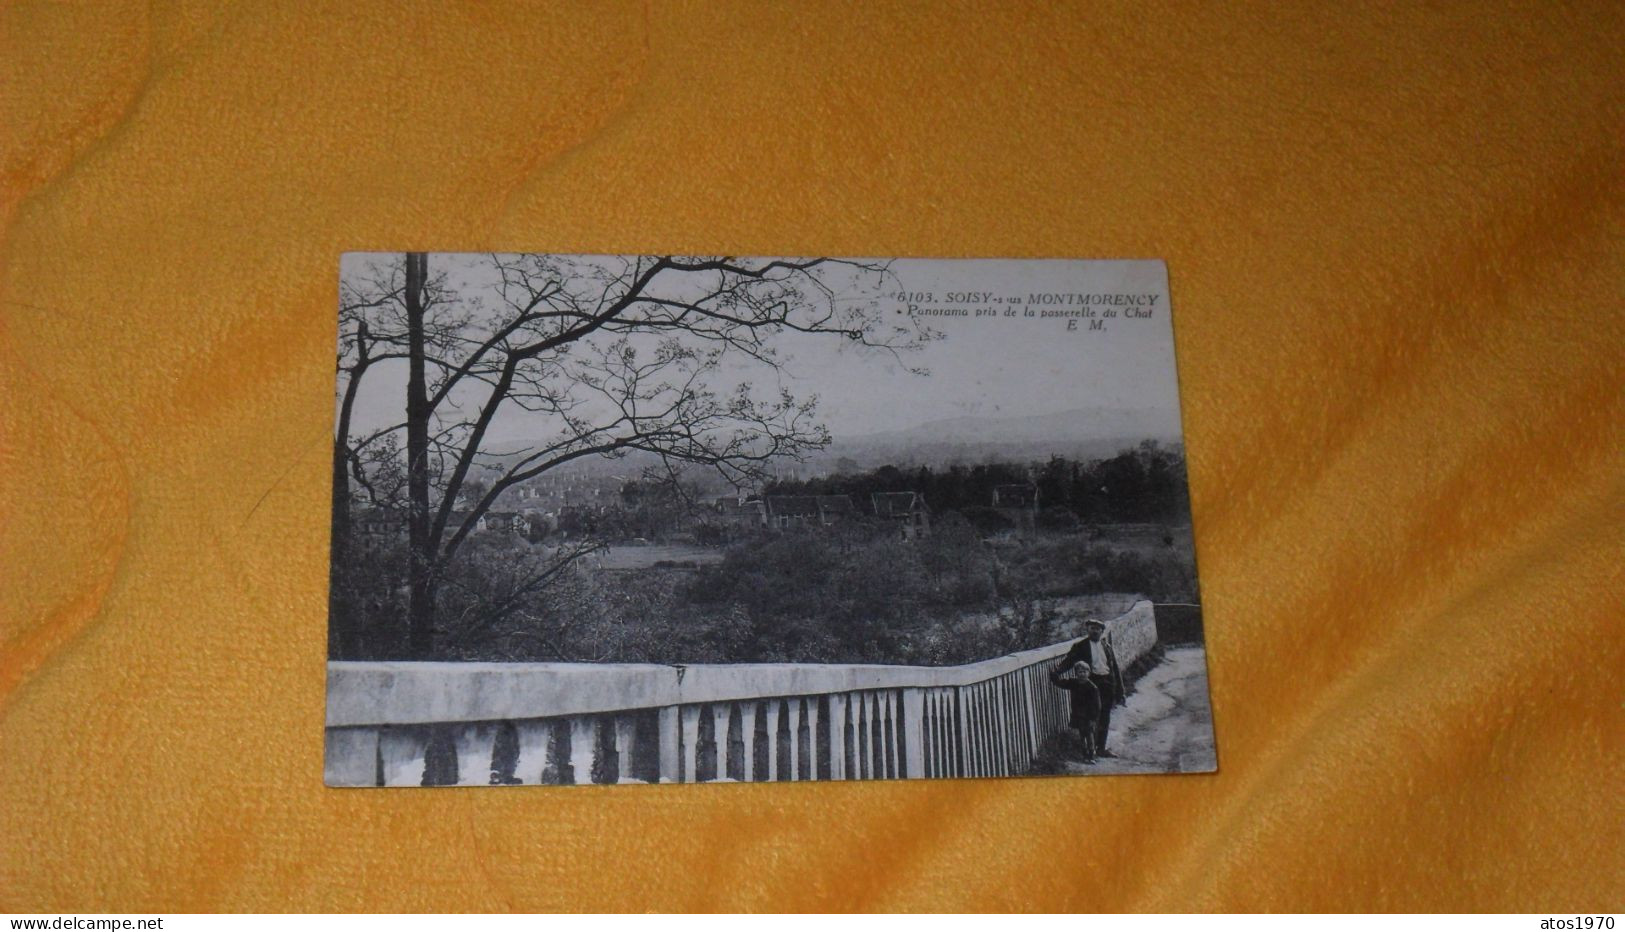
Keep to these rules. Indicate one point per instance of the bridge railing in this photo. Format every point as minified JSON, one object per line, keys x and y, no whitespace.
{"x":419,"y":724}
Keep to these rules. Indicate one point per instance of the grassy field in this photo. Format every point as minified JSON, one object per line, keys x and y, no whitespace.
{"x":647,"y":556}
{"x":1145,"y":539}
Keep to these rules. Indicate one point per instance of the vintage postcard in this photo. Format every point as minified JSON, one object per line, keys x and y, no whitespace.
{"x":680,"y":519}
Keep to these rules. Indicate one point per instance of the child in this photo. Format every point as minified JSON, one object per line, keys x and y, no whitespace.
{"x":1085,"y":705}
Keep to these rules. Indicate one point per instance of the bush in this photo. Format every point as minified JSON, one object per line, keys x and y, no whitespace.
{"x":1057,"y":518}
{"x":988,"y":520}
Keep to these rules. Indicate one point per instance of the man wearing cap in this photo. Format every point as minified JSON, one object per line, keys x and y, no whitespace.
{"x":1097,"y":656}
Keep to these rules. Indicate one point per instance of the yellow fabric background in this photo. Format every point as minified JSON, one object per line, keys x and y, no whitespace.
{"x":1395,"y":237}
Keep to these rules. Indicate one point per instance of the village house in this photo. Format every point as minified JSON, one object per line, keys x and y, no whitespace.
{"x":384,"y":523}
{"x":379,"y":523}
{"x":905,"y":509}
{"x":1019,"y":495}
{"x":1019,"y":503}
{"x":500,"y":522}
{"x":788,"y":511}
{"x":733,"y":513}
{"x":504,"y":522}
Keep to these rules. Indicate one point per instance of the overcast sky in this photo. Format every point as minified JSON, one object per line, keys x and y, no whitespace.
{"x":989,"y":366}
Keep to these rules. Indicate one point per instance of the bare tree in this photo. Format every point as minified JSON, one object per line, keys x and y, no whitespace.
{"x":595,"y":357}
{"x":359,"y":302}
{"x":373,"y":330}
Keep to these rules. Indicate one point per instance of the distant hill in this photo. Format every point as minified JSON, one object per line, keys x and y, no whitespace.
{"x":1083,"y":433}
{"x":1080,"y":424}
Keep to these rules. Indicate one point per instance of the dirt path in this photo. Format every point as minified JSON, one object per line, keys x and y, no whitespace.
{"x":1166,"y":727}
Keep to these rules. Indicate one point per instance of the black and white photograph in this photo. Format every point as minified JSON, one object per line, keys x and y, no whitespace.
{"x":706,"y":519}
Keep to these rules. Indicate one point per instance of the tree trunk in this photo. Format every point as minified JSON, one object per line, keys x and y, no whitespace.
{"x":341,"y":622}
{"x":420,"y":601}
{"x":343,"y":628}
